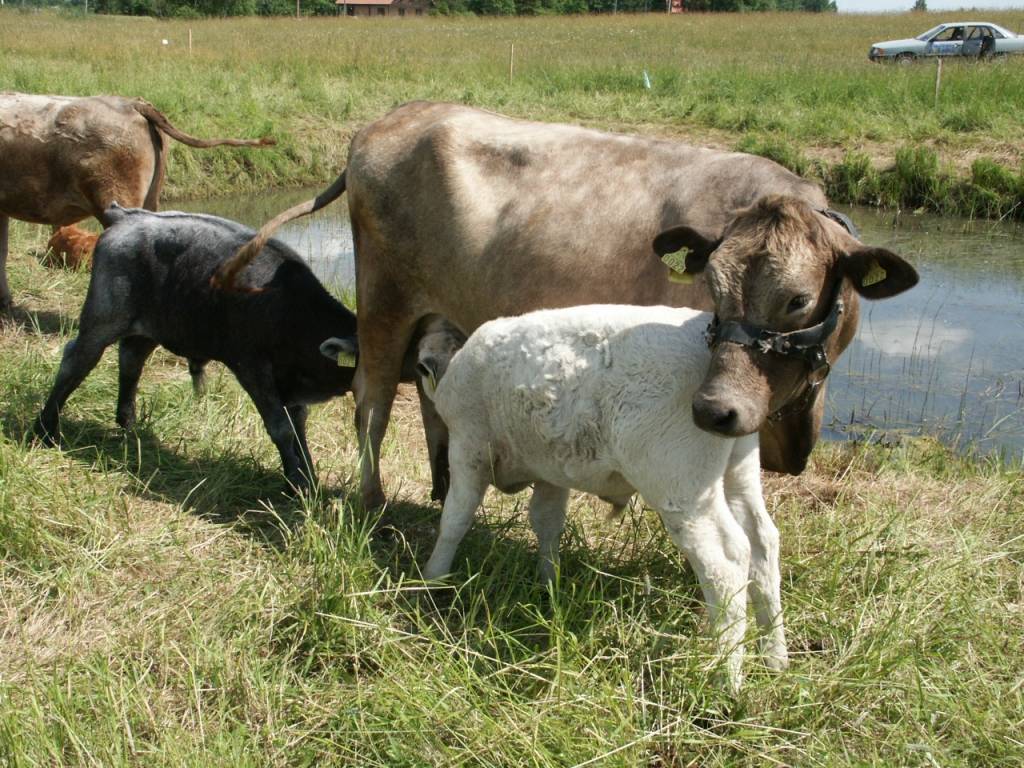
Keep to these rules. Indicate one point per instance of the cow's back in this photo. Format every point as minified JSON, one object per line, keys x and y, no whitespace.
{"x":474,"y":215}
{"x":52,"y":148}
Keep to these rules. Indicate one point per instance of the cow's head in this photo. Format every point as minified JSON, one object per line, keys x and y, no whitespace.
{"x":784,"y":280}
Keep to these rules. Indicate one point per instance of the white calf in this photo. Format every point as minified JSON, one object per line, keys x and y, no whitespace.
{"x":598,"y":398}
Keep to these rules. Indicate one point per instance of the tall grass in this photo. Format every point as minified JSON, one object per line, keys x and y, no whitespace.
{"x":162,"y":603}
{"x":761,"y":80}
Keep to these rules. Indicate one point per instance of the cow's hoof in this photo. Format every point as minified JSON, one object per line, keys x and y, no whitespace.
{"x":374,"y":500}
{"x":776,"y":659}
{"x":300,"y":485}
{"x":126,"y":420}
{"x":47,"y":434}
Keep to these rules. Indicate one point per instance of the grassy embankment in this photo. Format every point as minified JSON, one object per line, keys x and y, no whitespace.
{"x":163,"y":604}
{"x":797,"y":87}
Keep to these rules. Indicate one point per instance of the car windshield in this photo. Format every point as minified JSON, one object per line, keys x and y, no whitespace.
{"x":926,"y":36}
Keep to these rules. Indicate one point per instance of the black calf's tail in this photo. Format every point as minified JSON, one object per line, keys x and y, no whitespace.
{"x":227,"y":273}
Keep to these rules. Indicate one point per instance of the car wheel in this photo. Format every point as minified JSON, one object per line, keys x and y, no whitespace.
{"x":905,"y":59}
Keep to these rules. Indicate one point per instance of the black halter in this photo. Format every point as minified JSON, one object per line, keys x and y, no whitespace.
{"x":807,"y":344}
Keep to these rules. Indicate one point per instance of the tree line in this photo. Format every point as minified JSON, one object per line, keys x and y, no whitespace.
{"x":202,"y":8}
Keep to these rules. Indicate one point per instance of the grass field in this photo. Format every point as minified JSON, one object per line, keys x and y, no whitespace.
{"x":797,"y":87}
{"x":162,"y":603}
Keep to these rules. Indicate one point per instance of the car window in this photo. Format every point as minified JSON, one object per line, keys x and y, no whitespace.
{"x":997,"y":32}
{"x":951,"y":34}
{"x":974,"y":33}
{"x":925,"y":36}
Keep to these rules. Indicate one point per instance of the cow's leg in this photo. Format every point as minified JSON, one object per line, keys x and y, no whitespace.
{"x":80,"y":356}
{"x":197,"y":370}
{"x":6,"y":302}
{"x":257,"y":379}
{"x":718,"y":550}
{"x":742,"y":482}
{"x":437,"y":445}
{"x":383,"y":341}
{"x":298,"y":415}
{"x":104,"y":319}
{"x":464,"y":496}
{"x":547,"y":518}
{"x":132,"y":355}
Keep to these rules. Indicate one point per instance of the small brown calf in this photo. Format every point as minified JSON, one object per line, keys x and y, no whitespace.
{"x":70,"y":247}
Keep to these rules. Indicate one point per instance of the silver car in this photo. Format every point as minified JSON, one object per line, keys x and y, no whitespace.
{"x":962,"y":38}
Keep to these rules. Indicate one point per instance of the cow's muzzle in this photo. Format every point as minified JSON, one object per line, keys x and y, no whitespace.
{"x":806,"y":345}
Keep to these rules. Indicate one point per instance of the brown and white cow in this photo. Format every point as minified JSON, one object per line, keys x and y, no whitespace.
{"x":64,"y":158}
{"x":471,"y":215}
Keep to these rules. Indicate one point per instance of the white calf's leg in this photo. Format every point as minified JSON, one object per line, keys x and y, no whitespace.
{"x":718,"y":550}
{"x":464,"y":496}
{"x":547,"y":518}
{"x":742,"y":482}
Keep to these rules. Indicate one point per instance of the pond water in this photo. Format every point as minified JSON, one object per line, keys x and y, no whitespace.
{"x":945,"y":359}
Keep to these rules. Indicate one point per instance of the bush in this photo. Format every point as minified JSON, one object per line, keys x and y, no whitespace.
{"x":781,"y":152}
{"x":992,"y":191}
{"x":854,"y":180}
{"x":916,"y":181}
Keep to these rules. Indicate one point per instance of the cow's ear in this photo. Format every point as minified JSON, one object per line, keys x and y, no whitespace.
{"x":699,"y":247}
{"x":877,"y":273}
{"x":342,"y":350}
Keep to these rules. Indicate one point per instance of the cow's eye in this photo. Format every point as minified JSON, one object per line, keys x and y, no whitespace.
{"x":797,"y":303}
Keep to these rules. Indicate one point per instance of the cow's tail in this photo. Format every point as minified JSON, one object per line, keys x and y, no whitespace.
{"x":156,"y":117}
{"x":226,"y":274}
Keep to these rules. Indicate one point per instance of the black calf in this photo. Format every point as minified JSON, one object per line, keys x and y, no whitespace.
{"x":151,"y":286}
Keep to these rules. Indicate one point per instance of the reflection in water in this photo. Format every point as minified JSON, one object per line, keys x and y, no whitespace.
{"x":945,"y":358}
{"x":323,"y":239}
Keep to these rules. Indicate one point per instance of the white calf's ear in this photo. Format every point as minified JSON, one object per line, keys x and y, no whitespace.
{"x":342,"y":350}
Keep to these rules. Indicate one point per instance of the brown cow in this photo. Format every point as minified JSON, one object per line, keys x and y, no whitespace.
{"x":70,"y":247}
{"x":64,"y":158}
{"x":470,"y":215}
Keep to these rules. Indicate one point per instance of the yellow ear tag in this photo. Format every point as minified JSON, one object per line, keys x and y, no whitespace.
{"x":682,"y":278}
{"x":346,"y":360}
{"x":876,"y":274}
{"x":432,"y":380}
{"x":676,"y":263}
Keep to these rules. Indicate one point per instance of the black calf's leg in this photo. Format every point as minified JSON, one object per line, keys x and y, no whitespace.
{"x":298,"y":414}
{"x":6,"y":301}
{"x":258,"y":381}
{"x":197,"y":370}
{"x":132,"y":356}
{"x":437,"y":445}
{"x":80,"y":357}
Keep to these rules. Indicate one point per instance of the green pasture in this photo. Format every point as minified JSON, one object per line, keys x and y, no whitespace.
{"x":164,"y":603}
{"x":797,"y":87}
